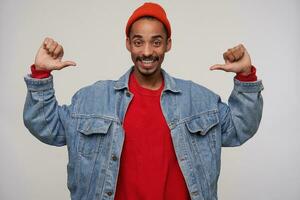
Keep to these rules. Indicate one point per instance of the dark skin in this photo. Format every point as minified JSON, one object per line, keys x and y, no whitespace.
{"x":236,"y":59}
{"x":148,"y":42}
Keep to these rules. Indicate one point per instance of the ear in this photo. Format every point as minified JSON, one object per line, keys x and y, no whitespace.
{"x":169,"y":44}
{"x":128,"y":44}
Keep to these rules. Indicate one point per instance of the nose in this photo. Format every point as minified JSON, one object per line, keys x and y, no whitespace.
{"x":148,"y":50}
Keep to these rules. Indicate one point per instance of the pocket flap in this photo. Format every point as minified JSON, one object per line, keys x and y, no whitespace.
{"x":89,"y":126}
{"x":202,"y":123}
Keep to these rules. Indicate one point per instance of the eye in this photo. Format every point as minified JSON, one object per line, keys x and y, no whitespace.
{"x":157,"y":43}
{"x":138,"y":43}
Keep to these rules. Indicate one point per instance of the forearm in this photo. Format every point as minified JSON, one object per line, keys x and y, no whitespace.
{"x":42,"y":115}
{"x":241,"y":118}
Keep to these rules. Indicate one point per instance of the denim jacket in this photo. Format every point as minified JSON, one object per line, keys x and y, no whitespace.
{"x":91,"y":127}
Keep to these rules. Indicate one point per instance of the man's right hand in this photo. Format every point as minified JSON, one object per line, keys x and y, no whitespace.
{"x":49,"y":56}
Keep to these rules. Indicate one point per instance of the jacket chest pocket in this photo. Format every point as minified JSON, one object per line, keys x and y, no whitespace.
{"x":202,"y":129}
{"x":93,"y":134}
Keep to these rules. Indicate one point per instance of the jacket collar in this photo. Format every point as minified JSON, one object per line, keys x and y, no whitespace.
{"x":170,"y":84}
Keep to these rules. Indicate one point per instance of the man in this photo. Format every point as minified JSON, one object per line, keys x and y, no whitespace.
{"x":147,"y":135}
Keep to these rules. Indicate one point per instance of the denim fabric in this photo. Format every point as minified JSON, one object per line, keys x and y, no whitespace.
{"x":91,"y":127}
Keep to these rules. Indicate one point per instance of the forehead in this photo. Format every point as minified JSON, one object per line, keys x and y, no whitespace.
{"x":146,"y":27}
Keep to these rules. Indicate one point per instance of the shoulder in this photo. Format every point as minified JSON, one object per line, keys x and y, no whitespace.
{"x":101,"y":84}
{"x":95,"y":89}
{"x":193,"y":88}
{"x":194,"y":98}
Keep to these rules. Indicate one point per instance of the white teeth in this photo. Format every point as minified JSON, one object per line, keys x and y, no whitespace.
{"x":147,"y":61}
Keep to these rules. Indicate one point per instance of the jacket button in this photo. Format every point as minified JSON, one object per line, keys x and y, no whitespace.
{"x":109,"y":193}
{"x":114,"y":157}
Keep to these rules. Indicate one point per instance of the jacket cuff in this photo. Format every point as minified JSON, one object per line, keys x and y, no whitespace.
{"x":248,"y":87}
{"x":39,"y":74}
{"x":34,"y":84}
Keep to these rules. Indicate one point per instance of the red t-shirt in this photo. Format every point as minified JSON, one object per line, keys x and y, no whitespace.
{"x":149,"y":168}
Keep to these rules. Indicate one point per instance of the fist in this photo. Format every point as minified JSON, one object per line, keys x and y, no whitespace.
{"x":236,"y":60}
{"x":49,"y":56}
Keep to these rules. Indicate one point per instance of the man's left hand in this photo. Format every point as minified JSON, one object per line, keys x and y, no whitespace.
{"x":237,"y":60}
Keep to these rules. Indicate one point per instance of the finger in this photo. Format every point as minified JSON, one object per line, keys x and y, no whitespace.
{"x":64,"y":64}
{"x":49,"y":43}
{"x":58,"y":51}
{"x":46,"y":40}
{"x":228,"y":55}
{"x":53,"y":47}
{"x":238,"y":53}
{"x":241,"y":46}
{"x":225,"y":56}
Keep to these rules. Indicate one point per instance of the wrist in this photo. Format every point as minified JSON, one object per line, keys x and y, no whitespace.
{"x":248,"y":76}
{"x":246,"y":72}
{"x":38,"y":68}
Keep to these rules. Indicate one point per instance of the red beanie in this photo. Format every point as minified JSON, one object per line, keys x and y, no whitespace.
{"x":149,"y":9}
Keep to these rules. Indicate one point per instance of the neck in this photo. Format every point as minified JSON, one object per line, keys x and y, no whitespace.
{"x":152,"y":82}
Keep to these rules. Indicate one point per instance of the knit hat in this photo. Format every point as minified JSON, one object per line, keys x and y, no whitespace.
{"x":152,"y":10}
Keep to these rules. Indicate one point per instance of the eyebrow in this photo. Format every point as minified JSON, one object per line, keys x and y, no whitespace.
{"x":136,"y":36}
{"x":153,"y":37}
{"x":157,"y":36}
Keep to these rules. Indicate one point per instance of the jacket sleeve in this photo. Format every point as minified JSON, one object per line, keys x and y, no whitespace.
{"x":42,"y":115}
{"x":240,"y":119}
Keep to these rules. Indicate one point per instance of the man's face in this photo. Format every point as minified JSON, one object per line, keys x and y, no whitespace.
{"x":148,"y":44}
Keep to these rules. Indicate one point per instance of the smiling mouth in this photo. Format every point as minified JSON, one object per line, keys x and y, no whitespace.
{"x":147,"y":61}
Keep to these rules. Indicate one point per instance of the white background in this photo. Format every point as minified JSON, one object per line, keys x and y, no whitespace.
{"x":92,"y":33}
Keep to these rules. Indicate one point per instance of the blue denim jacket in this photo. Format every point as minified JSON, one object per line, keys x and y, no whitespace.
{"x":91,"y":127}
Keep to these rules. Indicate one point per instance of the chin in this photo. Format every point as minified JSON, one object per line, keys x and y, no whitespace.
{"x":147,"y":71}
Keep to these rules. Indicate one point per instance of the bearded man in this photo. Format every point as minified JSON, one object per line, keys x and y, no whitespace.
{"x":147,"y":135}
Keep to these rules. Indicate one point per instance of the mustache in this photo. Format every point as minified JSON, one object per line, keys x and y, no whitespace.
{"x":141,"y":58}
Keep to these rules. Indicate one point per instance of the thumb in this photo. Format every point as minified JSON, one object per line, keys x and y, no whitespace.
{"x":64,"y":64}
{"x":218,"y":67}
{"x":228,"y":67}
{"x":225,"y":67}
